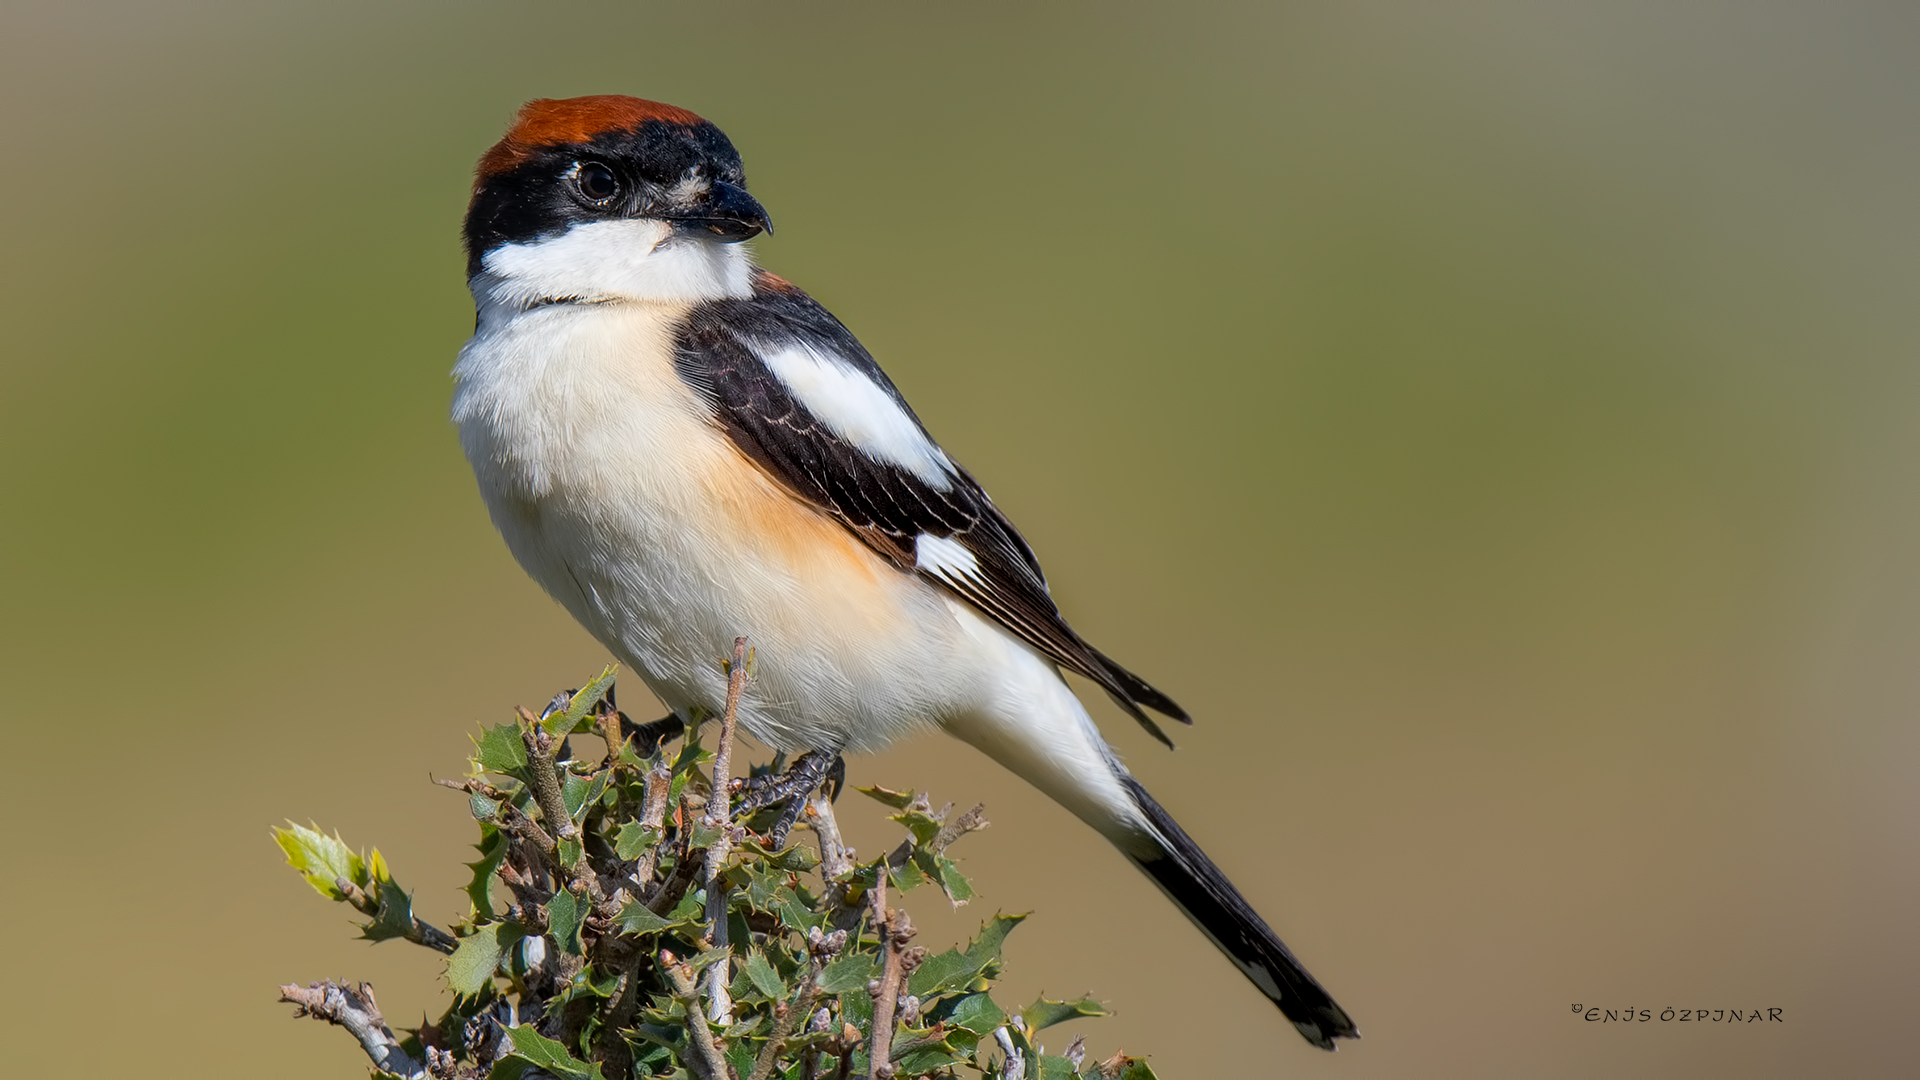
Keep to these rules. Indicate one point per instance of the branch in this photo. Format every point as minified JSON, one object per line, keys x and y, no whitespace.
{"x":653,"y":815}
{"x":420,"y":933}
{"x":821,"y":948}
{"x":896,"y":930}
{"x":545,"y":780}
{"x":353,"y":1008}
{"x":719,"y":815}
{"x":708,"y":1063}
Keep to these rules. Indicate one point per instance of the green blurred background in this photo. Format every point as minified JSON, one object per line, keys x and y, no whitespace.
{"x":1496,"y":422}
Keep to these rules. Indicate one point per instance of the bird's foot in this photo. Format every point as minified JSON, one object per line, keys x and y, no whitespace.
{"x":790,"y":790}
{"x":647,"y":737}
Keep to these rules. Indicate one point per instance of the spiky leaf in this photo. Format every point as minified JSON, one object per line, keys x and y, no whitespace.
{"x":470,"y":969}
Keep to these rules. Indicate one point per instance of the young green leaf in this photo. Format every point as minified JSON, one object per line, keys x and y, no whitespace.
{"x":321,"y":859}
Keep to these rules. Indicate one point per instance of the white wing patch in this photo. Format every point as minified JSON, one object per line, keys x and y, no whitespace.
{"x":945,"y":557}
{"x":856,"y":409}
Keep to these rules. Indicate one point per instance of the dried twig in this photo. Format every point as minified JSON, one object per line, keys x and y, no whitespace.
{"x":353,"y":1008}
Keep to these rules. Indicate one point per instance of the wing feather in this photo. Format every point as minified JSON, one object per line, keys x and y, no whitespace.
{"x":875,"y":484}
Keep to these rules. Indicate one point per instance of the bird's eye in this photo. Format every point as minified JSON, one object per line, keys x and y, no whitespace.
{"x":596,"y":181}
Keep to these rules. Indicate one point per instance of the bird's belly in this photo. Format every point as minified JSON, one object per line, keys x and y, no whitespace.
{"x":615,"y":492}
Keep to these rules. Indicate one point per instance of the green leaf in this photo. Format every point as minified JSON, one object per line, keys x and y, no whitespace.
{"x":899,"y":800}
{"x":952,"y":882}
{"x":1055,"y":1067}
{"x":550,"y":1055}
{"x":483,"y":808}
{"x":986,"y":948}
{"x":1044,"y":1013}
{"x":509,"y":1068}
{"x":952,"y":970}
{"x":635,"y":918}
{"x":634,"y":840}
{"x":394,"y":916}
{"x":1135,"y":1069}
{"x":739,"y":1054}
{"x":764,"y":978}
{"x":977,"y":1013}
{"x":847,"y":973}
{"x":493,"y":849}
{"x":907,"y":876}
{"x":500,"y":749}
{"x":941,"y":973}
{"x":578,"y":715}
{"x":922,"y":825}
{"x":566,"y":914}
{"x":796,"y":859}
{"x":570,"y":852}
{"x":321,"y":859}
{"x":704,"y":833}
{"x":573,"y":793}
{"x":470,"y":969}
{"x":917,"y":1053}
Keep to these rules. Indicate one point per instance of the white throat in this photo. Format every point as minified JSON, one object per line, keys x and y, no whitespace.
{"x":638,"y":259}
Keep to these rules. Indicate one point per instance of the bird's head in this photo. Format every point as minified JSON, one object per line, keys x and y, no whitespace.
{"x":610,"y":197}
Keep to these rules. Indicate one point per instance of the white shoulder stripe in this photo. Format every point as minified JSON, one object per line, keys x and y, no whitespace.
{"x":856,"y":409}
{"x":945,"y":557}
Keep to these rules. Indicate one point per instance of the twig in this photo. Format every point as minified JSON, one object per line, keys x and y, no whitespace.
{"x":896,"y":930}
{"x":971,"y":821}
{"x":821,"y":948}
{"x":653,"y":815}
{"x":709,"y":1062}
{"x":836,"y":858}
{"x":836,"y":861}
{"x":810,"y":1058}
{"x":420,"y":933}
{"x":1014,"y":1065}
{"x":720,"y":1004}
{"x":545,"y":779}
{"x":353,"y":1008}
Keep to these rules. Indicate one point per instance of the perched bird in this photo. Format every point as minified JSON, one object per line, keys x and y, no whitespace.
{"x":683,"y":448}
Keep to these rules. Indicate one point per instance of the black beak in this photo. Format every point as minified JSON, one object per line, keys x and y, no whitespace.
{"x":727,"y":214}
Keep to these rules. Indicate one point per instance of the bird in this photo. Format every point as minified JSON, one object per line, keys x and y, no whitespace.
{"x":683,"y":448}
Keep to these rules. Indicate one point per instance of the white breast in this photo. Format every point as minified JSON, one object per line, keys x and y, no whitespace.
{"x":616,"y":492}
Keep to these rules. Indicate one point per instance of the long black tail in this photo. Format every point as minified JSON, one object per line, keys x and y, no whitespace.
{"x":1191,"y":880}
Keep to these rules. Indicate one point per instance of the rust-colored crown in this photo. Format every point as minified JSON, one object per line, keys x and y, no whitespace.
{"x":558,"y":121}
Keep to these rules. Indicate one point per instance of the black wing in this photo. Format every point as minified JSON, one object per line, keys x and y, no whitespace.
{"x":721,"y":352}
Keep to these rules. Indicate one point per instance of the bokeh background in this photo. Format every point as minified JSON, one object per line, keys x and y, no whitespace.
{"x":1495,"y":421}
